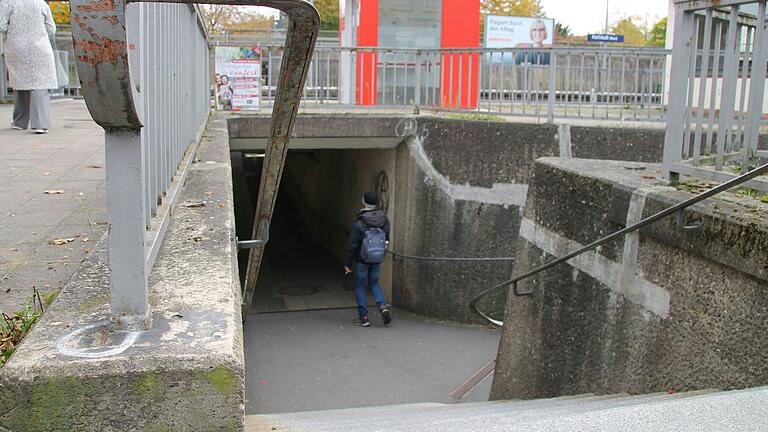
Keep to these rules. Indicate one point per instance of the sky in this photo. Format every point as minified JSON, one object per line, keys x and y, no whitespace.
{"x":588,"y":16}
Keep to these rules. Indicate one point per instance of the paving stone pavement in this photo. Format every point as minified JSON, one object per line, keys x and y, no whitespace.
{"x":70,"y":159}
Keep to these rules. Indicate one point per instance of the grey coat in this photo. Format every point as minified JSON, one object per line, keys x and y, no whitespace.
{"x":27,"y":28}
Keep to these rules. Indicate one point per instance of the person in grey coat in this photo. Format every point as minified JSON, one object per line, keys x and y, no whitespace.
{"x":28,"y":29}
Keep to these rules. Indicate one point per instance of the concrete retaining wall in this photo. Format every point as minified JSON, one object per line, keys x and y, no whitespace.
{"x":75,"y":373}
{"x":660,"y":310}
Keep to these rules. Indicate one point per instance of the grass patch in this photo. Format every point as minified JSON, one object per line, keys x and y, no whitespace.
{"x":14,"y":327}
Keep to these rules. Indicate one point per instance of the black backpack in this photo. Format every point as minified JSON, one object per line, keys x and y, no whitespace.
{"x":373,"y":248}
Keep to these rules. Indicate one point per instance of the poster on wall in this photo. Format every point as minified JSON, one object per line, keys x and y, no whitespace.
{"x":519,"y":32}
{"x":238,"y":78}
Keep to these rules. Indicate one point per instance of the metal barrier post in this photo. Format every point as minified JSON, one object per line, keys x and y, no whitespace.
{"x":552,"y":88}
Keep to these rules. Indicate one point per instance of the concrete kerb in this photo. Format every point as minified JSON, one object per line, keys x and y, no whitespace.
{"x":185,"y":373}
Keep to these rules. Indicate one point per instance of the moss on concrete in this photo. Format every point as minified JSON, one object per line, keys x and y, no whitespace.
{"x":56,"y":404}
{"x":147,"y":387}
{"x":221,"y":378}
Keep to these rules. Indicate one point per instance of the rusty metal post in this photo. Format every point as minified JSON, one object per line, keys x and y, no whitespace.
{"x":102,"y":55}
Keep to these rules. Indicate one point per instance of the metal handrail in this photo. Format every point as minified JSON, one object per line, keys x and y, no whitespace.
{"x":618,"y":234}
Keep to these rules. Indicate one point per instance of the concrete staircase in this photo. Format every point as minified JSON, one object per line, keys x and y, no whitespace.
{"x":740,"y":410}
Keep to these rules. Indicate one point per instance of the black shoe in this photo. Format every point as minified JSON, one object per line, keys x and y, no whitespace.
{"x":363,"y":321}
{"x":386,"y":317}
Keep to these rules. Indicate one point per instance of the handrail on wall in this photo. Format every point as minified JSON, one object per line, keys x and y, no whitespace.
{"x":618,"y":234}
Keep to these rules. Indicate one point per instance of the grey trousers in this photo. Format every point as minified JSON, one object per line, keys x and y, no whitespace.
{"x":32,"y":108}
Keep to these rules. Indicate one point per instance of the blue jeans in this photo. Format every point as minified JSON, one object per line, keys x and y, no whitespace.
{"x":367,"y":272}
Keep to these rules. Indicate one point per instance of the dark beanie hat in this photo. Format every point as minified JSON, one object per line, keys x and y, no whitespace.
{"x":370,"y":198}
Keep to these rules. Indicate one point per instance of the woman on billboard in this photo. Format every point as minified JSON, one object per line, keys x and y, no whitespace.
{"x":539,"y":36}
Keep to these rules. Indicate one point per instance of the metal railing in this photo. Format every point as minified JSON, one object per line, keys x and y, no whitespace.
{"x":599,"y":83}
{"x":715,"y":115}
{"x":149,"y":88}
{"x":145,"y":74}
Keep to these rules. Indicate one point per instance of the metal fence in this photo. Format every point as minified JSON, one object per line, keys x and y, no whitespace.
{"x":716,"y":105}
{"x":600,"y":83}
{"x":153,"y":114}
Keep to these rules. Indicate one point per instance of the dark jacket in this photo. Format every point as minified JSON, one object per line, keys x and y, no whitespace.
{"x":375,"y":218}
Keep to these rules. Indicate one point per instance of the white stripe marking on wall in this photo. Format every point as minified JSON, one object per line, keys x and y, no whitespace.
{"x":501,"y":193}
{"x":610,"y":273}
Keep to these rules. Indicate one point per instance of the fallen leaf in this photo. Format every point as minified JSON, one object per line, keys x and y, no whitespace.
{"x":650,"y":177}
{"x":221,"y":205}
{"x":194,"y":204}
{"x":54,"y":192}
{"x":93,"y":166}
{"x":46,"y":173}
{"x":208,"y":193}
{"x":59,"y":242}
{"x":13,"y":249}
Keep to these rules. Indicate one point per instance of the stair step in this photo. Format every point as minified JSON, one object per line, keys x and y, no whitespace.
{"x":512,"y":415}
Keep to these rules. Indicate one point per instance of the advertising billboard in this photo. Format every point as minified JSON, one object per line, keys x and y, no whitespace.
{"x":238,"y":78}
{"x":519,"y":32}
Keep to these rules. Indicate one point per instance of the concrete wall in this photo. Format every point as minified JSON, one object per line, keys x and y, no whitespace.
{"x":459,"y":194}
{"x":328,"y":186}
{"x":458,"y":188}
{"x":656,"y":311}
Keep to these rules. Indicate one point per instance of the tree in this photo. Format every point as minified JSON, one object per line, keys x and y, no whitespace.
{"x":658,"y":36}
{"x":220,"y":18}
{"x":216,"y":16}
{"x":633,"y":34}
{"x":329,"y":14}
{"x":530,"y":8}
{"x":60,"y":11}
{"x":562,"y":31}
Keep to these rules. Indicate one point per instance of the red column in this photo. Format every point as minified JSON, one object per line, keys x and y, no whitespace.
{"x":460,"y":29}
{"x":367,"y":36}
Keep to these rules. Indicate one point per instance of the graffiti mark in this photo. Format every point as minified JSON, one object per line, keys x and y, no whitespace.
{"x":410,"y":127}
{"x":72,"y":345}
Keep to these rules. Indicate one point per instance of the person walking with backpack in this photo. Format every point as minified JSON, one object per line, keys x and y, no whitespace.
{"x":366,"y":250}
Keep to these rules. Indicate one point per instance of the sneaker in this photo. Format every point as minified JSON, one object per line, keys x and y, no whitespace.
{"x":363,"y":321}
{"x":386,"y":317}
{"x":40,"y":131}
{"x":14,"y":127}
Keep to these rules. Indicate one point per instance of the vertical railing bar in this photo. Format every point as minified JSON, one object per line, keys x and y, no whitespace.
{"x":469,"y":80}
{"x":713,"y":90}
{"x":607,"y":84}
{"x":593,"y":95}
{"x":502,"y":89}
{"x":581,"y":84}
{"x":757,"y":84}
{"x":450,"y":82}
{"x":691,"y":83}
{"x":621,"y":91}
{"x":568,"y":83}
{"x":704,"y":71}
{"x":374,"y":83}
{"x":461,"y":64}
{"x":636,"y":98}
{"x":513,"y":96}
{"x":490,"y":83}
{"x":728,"y":97}
{"x":552,"y":76}
{"x":746,"y":57}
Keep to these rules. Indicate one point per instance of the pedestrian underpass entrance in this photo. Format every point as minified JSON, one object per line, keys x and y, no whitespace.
{"x":320,"y":194}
